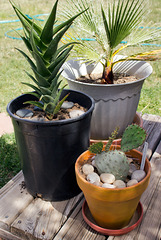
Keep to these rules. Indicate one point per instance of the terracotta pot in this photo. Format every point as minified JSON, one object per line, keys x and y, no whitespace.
{"x":137,"y":120}
{"x":112,"y":208}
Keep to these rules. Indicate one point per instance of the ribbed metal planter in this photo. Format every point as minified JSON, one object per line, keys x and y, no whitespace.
{"x":115,"y":105}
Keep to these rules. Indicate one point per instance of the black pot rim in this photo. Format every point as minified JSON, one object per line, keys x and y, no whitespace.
{"x":56,"y":122}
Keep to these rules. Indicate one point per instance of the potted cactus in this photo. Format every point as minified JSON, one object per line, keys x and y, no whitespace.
{"x":48,"y":147}
{"x":106,"y":31}
{"x":113,"y":201}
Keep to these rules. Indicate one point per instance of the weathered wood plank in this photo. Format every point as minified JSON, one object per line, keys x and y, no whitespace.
{"x":13,"y":201}
{"x":152,"y":124}
{"x":42,"y":219}
{"x":5,"y":235}
{"x":6,"y":188}
{"x":76,"y":228}
{"x":151,"y":223}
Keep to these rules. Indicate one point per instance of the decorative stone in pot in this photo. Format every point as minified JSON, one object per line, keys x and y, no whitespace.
{"x":112,"y":208}
{"x":113,"y":201}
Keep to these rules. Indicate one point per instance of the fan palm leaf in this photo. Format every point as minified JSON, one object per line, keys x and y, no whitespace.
{"x":110,"y":24}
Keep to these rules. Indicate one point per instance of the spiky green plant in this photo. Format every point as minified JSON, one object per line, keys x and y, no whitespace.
{"x":43,"y":44}
{"x":115,"y":161}
{"x":110,"y":24}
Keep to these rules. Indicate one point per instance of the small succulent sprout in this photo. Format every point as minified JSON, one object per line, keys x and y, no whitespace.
{"x":96,"y":148}
{"x":133,"y":137}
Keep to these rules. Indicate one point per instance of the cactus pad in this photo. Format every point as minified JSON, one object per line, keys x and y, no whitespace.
{"x":114,"y":162}
{"x":96,"y":148}
{"x":133,"y":137}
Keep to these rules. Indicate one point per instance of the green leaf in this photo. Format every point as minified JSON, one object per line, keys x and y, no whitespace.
{"x":47,"y":99}
{"x":32,"y":86}
{"x":33,"y":66}
{"x":33,"y":79}
{"x":35,"y":103}
{"x":69,"y":21}
{"x":45,"y":91}
{"x":26,"y":22}
{"x":96,"y":148}
{"x":51,"y":50}
{"x":56,"y":69}
{"x":41,"y":67}
{"x":42,"y":80}
{"x":47,"y":32}
{"x":57,"y":108}
{"x":60,"y":58}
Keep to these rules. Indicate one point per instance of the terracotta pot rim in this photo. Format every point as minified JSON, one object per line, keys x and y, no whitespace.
{"x":113,"y":189}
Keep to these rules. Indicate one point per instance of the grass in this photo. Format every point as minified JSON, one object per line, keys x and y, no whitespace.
{"x":12,"y":66}
{"x":9,"y":159}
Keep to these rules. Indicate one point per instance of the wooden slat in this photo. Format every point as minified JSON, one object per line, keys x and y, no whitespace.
{"x":7,"y":235}
{"x":152,"y":124}
{"x":13,"y":201}
{"x":76,"y":228}
{"x":151,"y":199}
{"x":42,"y":219}
{"x":6,"y":188}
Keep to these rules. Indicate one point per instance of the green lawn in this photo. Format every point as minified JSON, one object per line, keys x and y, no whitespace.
{"x":12,"y":66}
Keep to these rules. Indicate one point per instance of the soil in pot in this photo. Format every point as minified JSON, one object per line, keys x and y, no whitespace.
{"x":67,"y":111}
{"x":97,"y":78}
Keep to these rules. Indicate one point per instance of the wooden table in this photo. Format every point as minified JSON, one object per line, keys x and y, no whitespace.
{"x":23,"y":217}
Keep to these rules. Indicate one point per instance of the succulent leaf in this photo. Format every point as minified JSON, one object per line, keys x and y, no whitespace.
{"x":110,"y":140}
{"x":47,"y":32}
{"x":114,"y":162}
{"x":43,"y":44}
{"x":96,"y":148}
{"x":133,"y":137}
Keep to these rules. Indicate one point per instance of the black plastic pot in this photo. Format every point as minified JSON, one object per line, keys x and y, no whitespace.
{"x":48,"y":150}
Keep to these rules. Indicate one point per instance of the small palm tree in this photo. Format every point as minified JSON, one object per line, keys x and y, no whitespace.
{"x":109,"y":29}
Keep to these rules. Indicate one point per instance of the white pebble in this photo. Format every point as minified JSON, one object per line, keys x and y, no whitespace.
{"x":76,"y":113}
{"x":131,"y":182}
{"x":93,"y":177}
{"x":132,"y":168}
{"x":87,"y":169}
{"x":107,"y":178}
{"x":107,"y":185}
{"x":99,"y":184}
{"x":138,"y":175}
{"x":119,"y":184}
{"x":67,"y":105}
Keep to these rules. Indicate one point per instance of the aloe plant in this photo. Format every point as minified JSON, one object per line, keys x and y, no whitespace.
{"x":49,"y":56}
{"x":115,"y":161}
{"x":111,"y":25}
